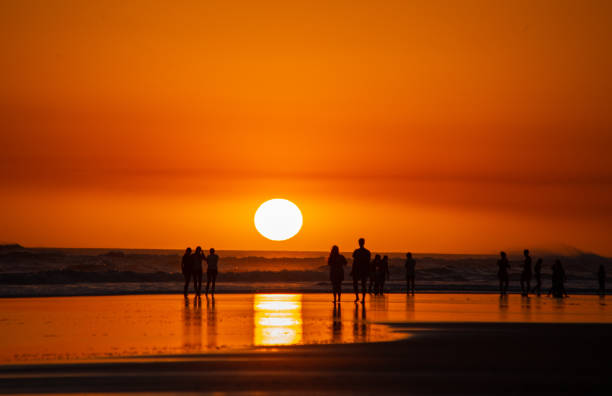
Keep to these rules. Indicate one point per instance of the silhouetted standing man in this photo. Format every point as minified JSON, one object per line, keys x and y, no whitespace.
{"x":601,"y":277}
{"x":211,"y":272}
{"x":537,"y":271}
{"x":186,"y":264}
{"x":410,"y":273}
{"x":502,"y":273}
{"x":526,"y":274}
{"x":361,"y":263}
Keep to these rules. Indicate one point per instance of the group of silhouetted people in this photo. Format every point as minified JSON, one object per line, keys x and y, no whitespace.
{"x":503,"y":265}
{"x":557,"y":288}
{"x":191,"y":267}
{"x":373,"y":273}
{"x":370,"y":273}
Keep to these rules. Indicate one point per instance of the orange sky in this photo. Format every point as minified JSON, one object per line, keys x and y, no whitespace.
{"x":439,"y":126}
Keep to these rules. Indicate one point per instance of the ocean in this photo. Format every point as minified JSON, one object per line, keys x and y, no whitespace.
{"x":31,"y":272}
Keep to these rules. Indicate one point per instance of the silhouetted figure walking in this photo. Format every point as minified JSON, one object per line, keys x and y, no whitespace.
{"x":410,"y":273}
{"x":361,"y":262}
{"x":601,"y":277}
{"x":211,"y":272}
{"x":336,"y":263}
{"x":502,"y":273}
{"x":537,"y":272}
{"x":526,"y":274}
{"x":198,"y":256}
{"x":186,"y":264}
{"x":382,"y":274}
{"x":372,"y":268}
{"x":558,"y":281}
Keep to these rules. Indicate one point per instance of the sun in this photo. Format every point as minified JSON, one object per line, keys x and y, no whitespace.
{"x":278,"y":219}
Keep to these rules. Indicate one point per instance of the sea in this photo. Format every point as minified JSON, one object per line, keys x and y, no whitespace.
{"x":38,"y":272}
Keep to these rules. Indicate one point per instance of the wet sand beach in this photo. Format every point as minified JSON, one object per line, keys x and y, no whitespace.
{"x":427,"y":344}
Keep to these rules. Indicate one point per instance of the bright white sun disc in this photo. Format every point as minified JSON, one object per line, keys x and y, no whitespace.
{"x":278,"y":219}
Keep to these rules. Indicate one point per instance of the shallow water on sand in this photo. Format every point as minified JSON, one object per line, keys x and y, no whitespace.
{"x":84,"y":328}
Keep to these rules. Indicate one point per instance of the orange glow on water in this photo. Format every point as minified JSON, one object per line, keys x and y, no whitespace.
{"x":77,"y":328}
{"x":278,"y":319}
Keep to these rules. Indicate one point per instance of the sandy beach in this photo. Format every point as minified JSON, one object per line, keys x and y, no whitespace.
{"x":426,"y":344}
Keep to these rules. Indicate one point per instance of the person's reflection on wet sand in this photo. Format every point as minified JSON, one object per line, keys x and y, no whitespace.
{"x":359,"y":324}
{"x":192,"y":326}
{"x":601,"y":280}
{"x":337,"y":324}
{"x":379,"y":305}
{"x":410,"y":312}
{"x":503,"y":306}
{"x":211,"y":324}
{"x":526,"y":308}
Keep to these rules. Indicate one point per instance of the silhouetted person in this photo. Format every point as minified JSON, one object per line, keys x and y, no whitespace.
{"x":562,"y":279}
{"x":336,"y":263}
{"x":186,"y":264}
{"x":211,"y":272}
{"x":382,"y":274}
{"x":558,"y":280}
{"x":537,"y":272}
{"x":410,"y":273}
{"x":361,"y":263}
{"x":601,"y":277}
{"x":502,"y":273}
{"x":526,"y":274}
{"x":372,"y":268}
{"x":198,"y":257}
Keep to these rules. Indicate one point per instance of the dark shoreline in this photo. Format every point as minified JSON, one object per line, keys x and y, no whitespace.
{"x":439,"y":358}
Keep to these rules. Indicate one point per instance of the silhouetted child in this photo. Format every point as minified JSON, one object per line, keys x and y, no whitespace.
{"x":211,"y":273}
{"x":336,"y":263}
{"x":502,"y":273}
{"x":601,"y":277}
{"x":186,"y":264}
{"x":526,"y":274}
{"x":410,"y":273}
{"x":361,"y":263}
{"x":537,"y":272}
{"x":382,"y":274}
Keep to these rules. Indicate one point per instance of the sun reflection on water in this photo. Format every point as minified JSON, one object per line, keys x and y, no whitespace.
{"x":278,"y":319}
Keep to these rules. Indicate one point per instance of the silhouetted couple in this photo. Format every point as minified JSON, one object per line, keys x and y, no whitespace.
{"x":376,"y":271}
{"x":379,"y":273}
{"x":502,"y":274}
{"x":191,"y":267}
